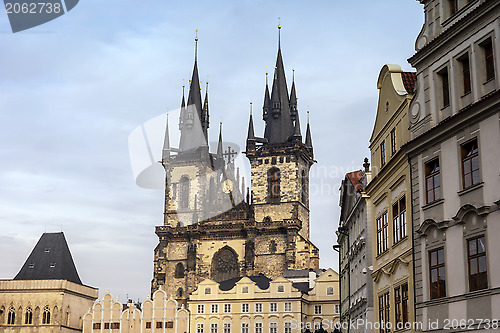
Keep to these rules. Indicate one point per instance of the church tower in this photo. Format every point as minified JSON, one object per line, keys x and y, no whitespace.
{"x":213,"y":227}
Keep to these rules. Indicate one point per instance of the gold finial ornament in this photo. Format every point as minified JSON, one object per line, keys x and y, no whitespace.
{"x":196,"y":36}
{"x":279,"y":22}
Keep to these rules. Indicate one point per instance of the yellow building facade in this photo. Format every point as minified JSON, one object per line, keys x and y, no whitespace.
{"x":259,"y":305}
{"x":390,"y":193}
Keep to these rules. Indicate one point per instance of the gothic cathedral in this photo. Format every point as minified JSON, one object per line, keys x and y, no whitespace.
{"x":213,"y":227}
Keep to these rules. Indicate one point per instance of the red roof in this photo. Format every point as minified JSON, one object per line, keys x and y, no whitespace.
{"x":355,"y":177}
{"x":409,"y":79}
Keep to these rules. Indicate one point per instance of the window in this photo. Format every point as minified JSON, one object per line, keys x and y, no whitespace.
{"x":200,"y":328}
{"x":399,"y":219}
{"x":244,"y":327}
{"x":227,"y":327}
{"x":245,"y":307}
{"x":258,"y":307}
{"x":227,"y":308}
{"x":478,"y":273}
{"x":200,"y":308}
{"x":465,"y":64}
{"x":272,"y":246}
{"x":281,"y":288}
{"x":213,"y":328}
{"x":174,"y":191}
{"x":273,"y":307}
{"x":244,"y":290}
{"x":437,"y":273}
{"x":179,"y":271}
{"x":303,"y":183}
{"x":11,"y":317}
{"x":401,"y":304}
{"x":445,"y":88}
{"x":432,"y":181}
{"x":470,"y":163}
{"x":288,"y":327}
{"x":382,"y":153}
{"x":179,"y":292}
{"x":317,"y":309}
{"x":184,"y":195}
{"x":46,"y":315}
{"x":488,"y":59}
{"x":97,"y":326}
{"x":208,"y":291}
{"x":273,"y":180}
{"x":148,"y":325}
{"x":159,"y":324}
{"x":329,"y":291}
{"x":393,"y":141}
{"x":28,"y":317}
{"x":288,"y":307}
{"x":106,"y":326}
{"x":258,"y":327}
{"x":453,"y":6}
{"x":337,"y":308}
{"x":382,"y":233}
{"x":273,"y":327}
{"x":169,"y":324}
{"x":215,"y":308}
{"x":115,"y":326}
{"x":384,"y":312}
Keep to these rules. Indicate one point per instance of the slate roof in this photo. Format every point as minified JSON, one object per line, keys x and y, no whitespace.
{"x":302,"y":286}
{"x":409,"y":80}
{"x":50,"y":260}
{"x":262,"y":282}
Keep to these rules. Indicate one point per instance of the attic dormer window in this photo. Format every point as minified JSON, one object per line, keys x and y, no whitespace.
{"x":32,"y":266}
{"x":52,"y":265}
{"x":47,"y":250}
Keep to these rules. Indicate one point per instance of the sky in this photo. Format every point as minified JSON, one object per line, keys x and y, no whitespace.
{"x":74,"y":89}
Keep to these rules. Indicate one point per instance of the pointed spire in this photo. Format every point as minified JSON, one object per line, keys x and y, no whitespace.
{"x":293,"y":99}
{"x":267,"y":100}
{"x":196,"y":46}
{"x":219,"y":144}
{"x":309,"y":143}
{"x":279,"y":32}
{"x":194,"y":97}
{"x":251,"y":134}
{"x":205,"y":114}
{"x":166,"y":142}
{"x":182,"y":114}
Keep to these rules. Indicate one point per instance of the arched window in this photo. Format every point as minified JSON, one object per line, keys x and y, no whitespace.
{"x":329,"y":291}
{"x":224,"y":264}
{"x":180,"y":292}
{"x":46,"y":315}
{"x":273,"y":182}
{"x":28,"y":317}
{"x":303,"y":187}
{"x":184,"y":192}
{"x":272,"y":246}
{"x":11,"y":317}
{"x":179,"y":271}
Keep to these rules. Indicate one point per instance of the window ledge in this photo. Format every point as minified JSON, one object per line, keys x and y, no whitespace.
{"x":445,"y":107}
{"x":488,"y":81}
{"x":433,"y":204}
{"x":379,"y":256}
{"x":471,"y":188}
{"x":466,"y":94}
{"x":400,"y":242}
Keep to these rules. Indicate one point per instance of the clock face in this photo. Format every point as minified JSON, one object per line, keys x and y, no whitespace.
{"x":227,"y":186}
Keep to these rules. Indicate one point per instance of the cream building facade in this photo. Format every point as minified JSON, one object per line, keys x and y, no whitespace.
{"x":389,"y":192}
{"x":159,"y":314}
{"x":454,"y":155}
{"x":261,"y":305}
{"x":47,"y":294}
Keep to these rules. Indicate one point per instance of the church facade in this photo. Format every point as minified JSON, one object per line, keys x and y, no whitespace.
{"x":213,"y":227}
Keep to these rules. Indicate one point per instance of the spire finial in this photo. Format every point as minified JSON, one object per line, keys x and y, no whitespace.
{"x":308,"y":114}
{"x":267,"y":74}
{"x":250,"y":108}
{"x":279,"y":32}
{"x":196,"y":46}
{"x":293,"y":73}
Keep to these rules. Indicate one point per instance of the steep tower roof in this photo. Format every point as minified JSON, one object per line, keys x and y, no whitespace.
{"x":205,"y":117}
{"x":309,"y":142}
{"x":293,"y":99}
{"x":50,"y":260}
{"x":279,"y":125}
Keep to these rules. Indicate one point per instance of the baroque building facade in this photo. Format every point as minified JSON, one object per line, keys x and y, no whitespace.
{"x":47,"y":294}
{"x":354,"y":235}
{"x":389,"y":192}
{"x":213,"y":227}
{"x":455,"y":131}
{"x":259,"y":304}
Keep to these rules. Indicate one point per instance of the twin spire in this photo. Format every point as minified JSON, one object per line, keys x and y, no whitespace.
{"x":280,"y":111}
